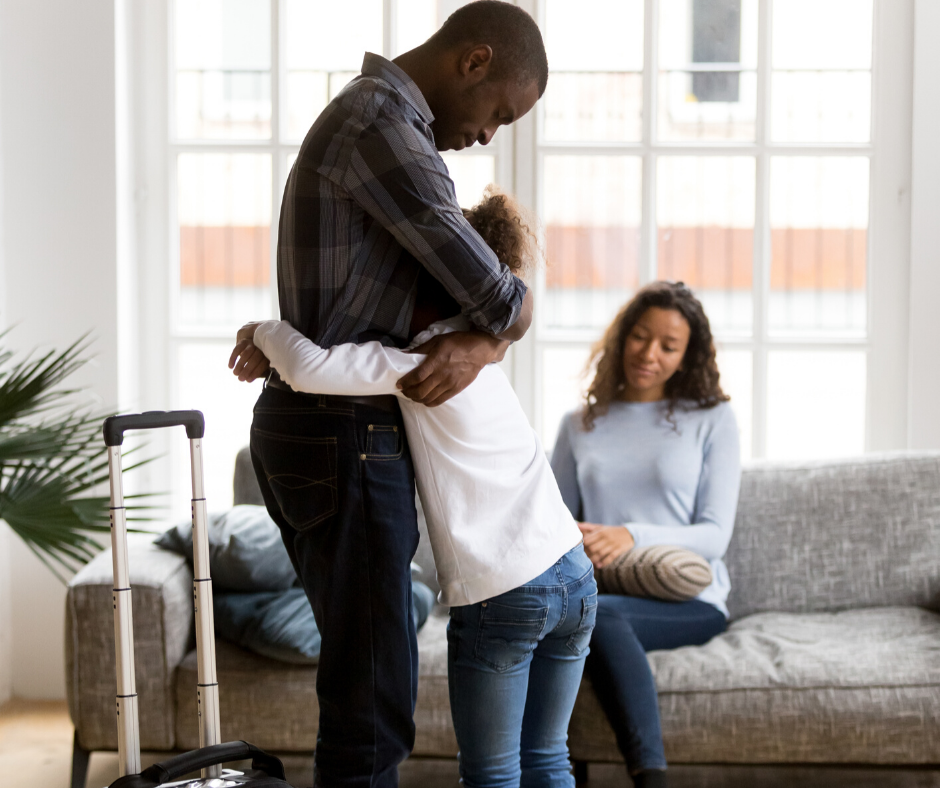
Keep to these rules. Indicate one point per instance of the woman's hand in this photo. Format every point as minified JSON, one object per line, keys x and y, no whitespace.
{"x":604,"y":543}
{"x":247,"y":362}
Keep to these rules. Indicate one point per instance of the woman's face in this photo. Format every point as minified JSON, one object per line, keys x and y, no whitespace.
{"x":653,"y":352}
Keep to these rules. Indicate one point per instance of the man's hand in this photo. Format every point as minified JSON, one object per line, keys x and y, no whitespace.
{"x":453,"y":363}
{"x":247,"y":362}
{"x":604,"y":543}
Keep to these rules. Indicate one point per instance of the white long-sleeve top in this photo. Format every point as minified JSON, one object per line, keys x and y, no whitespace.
{"x":495,"y":516}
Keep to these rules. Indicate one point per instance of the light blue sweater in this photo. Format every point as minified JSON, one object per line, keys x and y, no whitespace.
{"x":674,"y":486}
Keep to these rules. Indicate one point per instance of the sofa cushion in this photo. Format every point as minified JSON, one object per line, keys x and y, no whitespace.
{"x":274,"y":705}
{"x":837,"y":535}
{"x":858,"y":686}
{"x":269,"y":703}
{"x":434,"y":736}
{"x":246,"y":552}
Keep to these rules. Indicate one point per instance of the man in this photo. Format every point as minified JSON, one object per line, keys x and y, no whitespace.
{"x":367,"y":208}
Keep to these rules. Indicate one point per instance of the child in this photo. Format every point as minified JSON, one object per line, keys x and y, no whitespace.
{"x":508,"y":552}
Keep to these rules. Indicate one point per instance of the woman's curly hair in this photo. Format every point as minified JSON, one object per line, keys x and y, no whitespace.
{"x":507,"y":229}
{"x":695,"y":381}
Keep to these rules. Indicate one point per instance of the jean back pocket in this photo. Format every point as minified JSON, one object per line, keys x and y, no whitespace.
{"x":301,"y":472}
{"x":509,"y":633}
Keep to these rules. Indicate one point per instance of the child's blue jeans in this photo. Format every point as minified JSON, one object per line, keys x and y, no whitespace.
{"x":514,"y":667}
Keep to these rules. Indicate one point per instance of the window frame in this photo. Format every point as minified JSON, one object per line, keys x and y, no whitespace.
{"x":886,"y":243}
{"x":518,"y":154}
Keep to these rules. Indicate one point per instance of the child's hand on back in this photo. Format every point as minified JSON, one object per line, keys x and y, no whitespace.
{"x":247,"y":362}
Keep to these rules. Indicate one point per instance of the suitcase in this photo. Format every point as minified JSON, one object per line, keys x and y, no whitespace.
{"x":266,"y":770}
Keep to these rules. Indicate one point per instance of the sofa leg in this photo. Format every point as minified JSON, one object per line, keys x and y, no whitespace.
{"x":80,"y":758}
{"x":580,"y":772}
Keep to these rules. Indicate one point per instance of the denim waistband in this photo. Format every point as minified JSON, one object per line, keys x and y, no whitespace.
{"x":538,"y":585}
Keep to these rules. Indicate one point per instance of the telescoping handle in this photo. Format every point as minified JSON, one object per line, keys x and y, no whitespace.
{"x":207,"y":689}
{"x":116,"y":426}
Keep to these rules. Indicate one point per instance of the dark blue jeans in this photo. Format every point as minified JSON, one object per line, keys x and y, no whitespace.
{"x":337,"y":478}
{"x":627,"y":627}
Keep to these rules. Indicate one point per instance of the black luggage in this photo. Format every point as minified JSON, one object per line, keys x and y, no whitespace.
{"x":266,"y":770}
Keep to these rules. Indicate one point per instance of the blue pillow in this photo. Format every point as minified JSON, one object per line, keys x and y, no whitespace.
{"x":280,"y":624}
{"x":245,"y":550}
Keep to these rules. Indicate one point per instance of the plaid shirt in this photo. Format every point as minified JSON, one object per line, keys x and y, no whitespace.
{"x":367,"y":203}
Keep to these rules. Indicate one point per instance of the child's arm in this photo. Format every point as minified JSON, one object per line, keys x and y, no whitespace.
{"x":350,"y":370}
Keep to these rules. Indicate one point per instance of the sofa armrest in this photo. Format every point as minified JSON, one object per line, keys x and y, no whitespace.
{"x":161,"y":584}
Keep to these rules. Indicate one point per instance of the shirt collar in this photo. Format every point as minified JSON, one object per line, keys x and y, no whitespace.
{"x":378,"y":66}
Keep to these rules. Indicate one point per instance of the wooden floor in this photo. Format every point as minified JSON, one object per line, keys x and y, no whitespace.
{"x":36,"y":752}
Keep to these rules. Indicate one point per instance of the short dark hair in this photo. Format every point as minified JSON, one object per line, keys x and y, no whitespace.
{"x":513,"y":35}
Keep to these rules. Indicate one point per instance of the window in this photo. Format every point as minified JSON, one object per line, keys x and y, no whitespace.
{"x":727,"y":144}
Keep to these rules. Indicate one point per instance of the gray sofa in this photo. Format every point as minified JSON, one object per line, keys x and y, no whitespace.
{"x":832,"y":656}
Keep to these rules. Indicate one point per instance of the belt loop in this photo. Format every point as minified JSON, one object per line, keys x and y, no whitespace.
{"x":322,"y":401}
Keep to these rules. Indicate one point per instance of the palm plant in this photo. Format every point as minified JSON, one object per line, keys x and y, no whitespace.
{"x":52,"y":460}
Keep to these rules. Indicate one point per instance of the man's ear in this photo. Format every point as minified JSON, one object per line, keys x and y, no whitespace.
{"x":475,"y":62}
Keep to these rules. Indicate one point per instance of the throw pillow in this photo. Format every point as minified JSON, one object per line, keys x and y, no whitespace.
{"x":672,"y":574}
{"x":245,"y":550}
{"x":280,"y":624}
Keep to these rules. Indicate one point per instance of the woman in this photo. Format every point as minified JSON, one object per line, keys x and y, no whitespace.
{"x":652,"y":458}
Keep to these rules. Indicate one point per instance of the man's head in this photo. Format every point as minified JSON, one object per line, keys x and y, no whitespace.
{"x":485,"y":68}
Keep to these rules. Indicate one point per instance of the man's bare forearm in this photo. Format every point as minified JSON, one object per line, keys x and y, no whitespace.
{"x":518,"y":329}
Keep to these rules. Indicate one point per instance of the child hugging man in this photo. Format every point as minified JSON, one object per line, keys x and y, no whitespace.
{"x":507,"y":551}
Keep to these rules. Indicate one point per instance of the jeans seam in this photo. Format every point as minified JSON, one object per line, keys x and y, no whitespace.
{"x":368,"y":557}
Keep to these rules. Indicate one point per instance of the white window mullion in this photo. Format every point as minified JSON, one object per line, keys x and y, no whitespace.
{"x":762,"y":245}
{"x":278,"y":121}
{"x":889,"y":294}
{"x":389,"y":28}
{"x":648,"y":251}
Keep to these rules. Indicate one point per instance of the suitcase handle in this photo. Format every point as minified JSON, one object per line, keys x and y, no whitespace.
{"x":181,"y":765}
{"x":116,"y":426}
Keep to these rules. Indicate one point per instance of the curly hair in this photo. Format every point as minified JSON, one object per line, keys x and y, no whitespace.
{"x":507,"y":229}
{"x":696,"y":380}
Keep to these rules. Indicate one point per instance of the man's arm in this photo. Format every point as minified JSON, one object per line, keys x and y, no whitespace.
{"x":454,"y":360}
{"x":398,"y":177}
{"x":518,"y":329}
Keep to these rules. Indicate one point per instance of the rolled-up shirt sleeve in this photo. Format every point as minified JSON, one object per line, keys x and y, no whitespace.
{"x":399,"y":179}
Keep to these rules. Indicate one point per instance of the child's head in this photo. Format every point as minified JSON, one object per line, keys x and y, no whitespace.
{"x":507,"y":229}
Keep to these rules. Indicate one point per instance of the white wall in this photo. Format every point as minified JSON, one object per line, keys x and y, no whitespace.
{"x":59,"y":248}
{"x":924,"y":392}
{"x":6,"y":623}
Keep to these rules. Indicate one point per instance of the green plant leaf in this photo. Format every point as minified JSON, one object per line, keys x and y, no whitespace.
{"x":52,"y":462}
